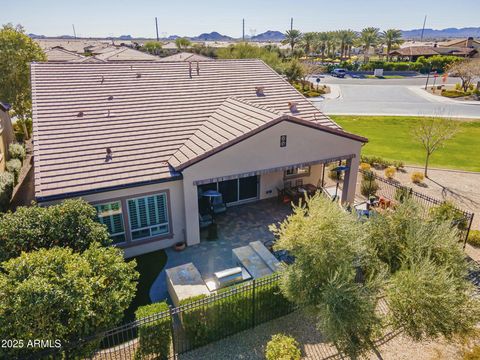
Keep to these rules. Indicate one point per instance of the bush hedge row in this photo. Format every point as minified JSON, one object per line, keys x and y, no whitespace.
{"x":6,"y":190}
{"x":154,"y":337}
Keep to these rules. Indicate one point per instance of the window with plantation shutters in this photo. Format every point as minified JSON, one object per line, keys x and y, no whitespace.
{"x":148,"y":216}
{"x":110,"y":214}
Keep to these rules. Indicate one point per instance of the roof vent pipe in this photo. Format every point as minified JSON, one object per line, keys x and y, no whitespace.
{"x":293,"y":107}
{"x":109,"y":155}
{"x":80,"y":114}
{"x":190,"y":69}
{"x":198,"y":68}
{"x":259,"y":90}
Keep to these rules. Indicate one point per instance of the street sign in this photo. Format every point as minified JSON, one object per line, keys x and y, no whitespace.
{"x":318,"y":80}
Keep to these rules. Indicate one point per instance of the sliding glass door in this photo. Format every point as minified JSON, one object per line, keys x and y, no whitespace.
{"x":236,"y":190}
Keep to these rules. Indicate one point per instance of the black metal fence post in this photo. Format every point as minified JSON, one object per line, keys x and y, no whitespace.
{"x":468,"y":231}
{"x":172,"y":330}
{"x":253,"y":303}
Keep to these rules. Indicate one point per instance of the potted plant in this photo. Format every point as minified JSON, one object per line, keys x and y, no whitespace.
{"x":179,"y":246}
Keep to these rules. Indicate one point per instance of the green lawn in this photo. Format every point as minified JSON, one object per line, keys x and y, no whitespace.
{"x":390,"y":137}
{"x":149,"y":266}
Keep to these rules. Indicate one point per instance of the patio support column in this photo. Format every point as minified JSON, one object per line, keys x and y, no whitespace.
{"x":350,"y":181}
{"x":192,"y":227}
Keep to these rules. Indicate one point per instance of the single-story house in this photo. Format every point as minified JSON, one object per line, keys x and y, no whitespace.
{"x":185,"y":56}
{"x":142,"y":140}
{"x":412,"y":53}
{"x":59,"y":54}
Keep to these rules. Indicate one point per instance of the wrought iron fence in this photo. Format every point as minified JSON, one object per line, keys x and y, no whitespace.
{"x":394,"y":191}
{"x":180,"y":329}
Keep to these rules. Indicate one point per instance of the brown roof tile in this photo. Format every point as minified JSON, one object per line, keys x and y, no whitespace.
{"x":145,"y":112}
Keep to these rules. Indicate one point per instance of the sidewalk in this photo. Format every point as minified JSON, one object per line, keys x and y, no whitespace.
{"x":437,"y":98}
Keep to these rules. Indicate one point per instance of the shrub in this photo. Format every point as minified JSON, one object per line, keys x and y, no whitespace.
{"x":417,"y":177}
{"x":368,"y":186}
{"x":59,"y":294}
{"x":155,"y":336}
{"x":453,"y":93}
{"x":473,"y":354}
{"x":282,"y":347}
{"x":474,"y":238}
{"x":398,"y":164}
{"x":71,"y":223}
{"x":6,"y":189}
{"x":448,"y":212}
{"x":458,"y":86}
{"x":14,"y":166}
{"x":365,"y":166}
{"x":402,"y":194}
{"x":17,"y":151}
{"x":390,"y":172}
{"x":233,"y":313}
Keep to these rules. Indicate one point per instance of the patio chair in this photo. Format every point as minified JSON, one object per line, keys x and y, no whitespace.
{"x":205,"y":220}
{"x":218,"y":205}
{"x":299,"y":182}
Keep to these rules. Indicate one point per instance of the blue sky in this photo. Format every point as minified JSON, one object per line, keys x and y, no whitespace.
{"x":191,"y":17}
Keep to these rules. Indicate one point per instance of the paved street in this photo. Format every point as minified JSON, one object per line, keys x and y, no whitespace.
{"x":389,"y":97}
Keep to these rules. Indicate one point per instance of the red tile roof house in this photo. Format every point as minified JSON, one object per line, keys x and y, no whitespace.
{"x":137,"y":140}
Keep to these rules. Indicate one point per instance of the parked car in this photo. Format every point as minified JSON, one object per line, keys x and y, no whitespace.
{"x":340,"y":73}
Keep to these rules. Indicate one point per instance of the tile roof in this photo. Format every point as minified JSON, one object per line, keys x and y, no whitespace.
{"x":126,"y":54}
{"x":58,"y":54}
{"x":185,"y":56}
{"x":431,"y":50}
{"x":143,"y":111}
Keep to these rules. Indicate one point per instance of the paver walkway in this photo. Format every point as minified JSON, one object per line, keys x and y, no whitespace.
{"x":237,"y":227}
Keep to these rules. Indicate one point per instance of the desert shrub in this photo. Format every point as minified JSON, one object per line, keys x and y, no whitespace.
{"x":417,"y":177}
{"x":458,"y":86}
{"x":402,"y":194}
{"x":368,"y":186}
{"x":390,"y":172}
{"x":448,"y":212}
{"x":365,"y":166}
{"x":71,"y":223}
{"x":453,"y":93}
{"x":155,"y":336}
{"x":398,"y":164}
{"x":282,"y":347}
{"x":14,"y":166}
{"x":474,"y":238}
{"x":6,"y":189}
{"x":17,"y":151}
{"x":376,"y":161}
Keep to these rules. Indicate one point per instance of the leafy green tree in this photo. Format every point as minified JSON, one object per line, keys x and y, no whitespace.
{"x":369,"y":37}
{"x":325,"y":243}
{"x":152,"y":47}
{"x":292,"y":37}
{"x":69,"y":224}
{"x":59,"y":294}
{"x":391,"y":38}
{"x":17,"y":51}
{"x":294,"y":71}
{"x":182,"y":43}
{"x":342,"y":266}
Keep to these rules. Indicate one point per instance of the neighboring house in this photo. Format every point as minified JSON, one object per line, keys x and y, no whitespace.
{"x":59,"y":54}
{"x":461,"y":43}
{"x":412,"y":53}
{"x":6,"y":134}
{"x":142,"y":140}
{"x":125,"y":54}
{"x":185,"y":56}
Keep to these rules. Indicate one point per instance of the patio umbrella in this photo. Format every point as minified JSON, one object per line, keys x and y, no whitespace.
{"x":211,"y":193}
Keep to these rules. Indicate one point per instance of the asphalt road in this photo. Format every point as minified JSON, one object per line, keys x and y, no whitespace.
{"x":390,"y":97}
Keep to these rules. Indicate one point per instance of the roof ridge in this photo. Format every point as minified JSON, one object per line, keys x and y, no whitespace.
{"x":258,"y":106}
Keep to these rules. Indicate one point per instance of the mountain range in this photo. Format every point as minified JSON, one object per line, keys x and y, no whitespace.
{"x":276,"y":36}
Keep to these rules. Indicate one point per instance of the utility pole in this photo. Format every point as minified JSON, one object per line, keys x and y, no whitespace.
{"x":291,"y":23}
{"x":74,"y":33}
{"x":156,"y":27}
{"x":243,"y":29}
{"x":423,"y":28}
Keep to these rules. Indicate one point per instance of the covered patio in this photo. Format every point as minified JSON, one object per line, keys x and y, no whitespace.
{"x":239,"y":226}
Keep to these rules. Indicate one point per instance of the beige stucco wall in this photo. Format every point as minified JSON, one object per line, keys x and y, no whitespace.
{"x":176,"y":213}
{"x":263,"y":151}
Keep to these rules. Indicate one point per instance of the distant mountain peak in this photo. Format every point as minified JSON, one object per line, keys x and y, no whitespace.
{"x":269,"y":35}
{"x":442,"y":33}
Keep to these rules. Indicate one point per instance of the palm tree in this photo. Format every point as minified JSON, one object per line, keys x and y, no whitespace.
{"x":292,"y":37}
{"x":308,"y":42}
{"x":369,"y":37}
{"x":391,"y":38}
{"x":322,"y":38}
{"x":350,"y":38}
{"x":331,"y":43}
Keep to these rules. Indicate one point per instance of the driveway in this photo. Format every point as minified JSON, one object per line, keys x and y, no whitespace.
{"x":389,"y":97}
